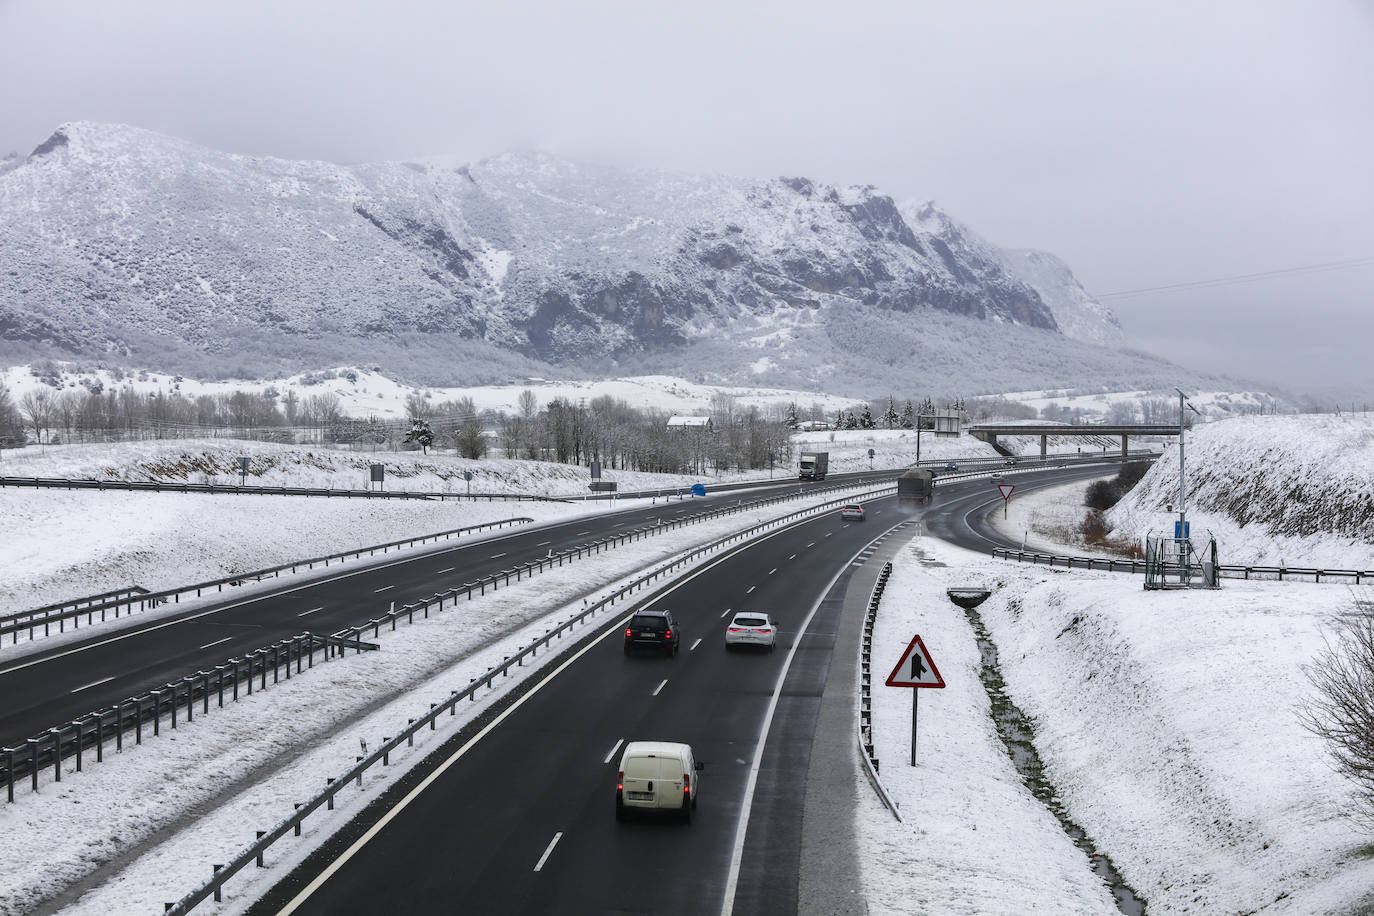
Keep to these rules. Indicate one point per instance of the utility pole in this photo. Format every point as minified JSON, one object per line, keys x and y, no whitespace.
{"x":1184,"y":545}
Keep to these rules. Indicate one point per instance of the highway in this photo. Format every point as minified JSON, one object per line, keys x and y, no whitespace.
{"x":55,"y":685}
{"x":520,"y":817}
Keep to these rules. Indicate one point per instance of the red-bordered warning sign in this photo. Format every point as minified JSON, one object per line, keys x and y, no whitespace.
{"x":915,"y":669}
{"x":1006,"y":489}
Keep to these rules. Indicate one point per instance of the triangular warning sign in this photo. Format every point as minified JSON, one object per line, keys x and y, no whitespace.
{"x":915,"y":669}
{"x":1006,"y":489}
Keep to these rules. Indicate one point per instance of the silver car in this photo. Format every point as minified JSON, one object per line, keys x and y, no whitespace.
{"x":750,"y":628}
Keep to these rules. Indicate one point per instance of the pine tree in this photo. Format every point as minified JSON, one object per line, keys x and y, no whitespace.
{"x":850,"y":422}
{"x":866,"y":419}
{"x":890,"y":417}
{"x":908,"y":416}
{"x":791,"y":419}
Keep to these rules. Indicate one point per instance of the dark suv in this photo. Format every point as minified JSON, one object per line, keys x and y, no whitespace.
{"x":652,"y":630}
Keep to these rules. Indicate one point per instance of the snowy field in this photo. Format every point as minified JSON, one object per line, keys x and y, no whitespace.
{"x":1166,"y":722}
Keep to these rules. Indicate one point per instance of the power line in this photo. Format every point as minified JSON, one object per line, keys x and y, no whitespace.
{"x":1347,"y":264}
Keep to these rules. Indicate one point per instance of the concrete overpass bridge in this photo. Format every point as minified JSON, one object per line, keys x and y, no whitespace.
{"x":989,"y":432}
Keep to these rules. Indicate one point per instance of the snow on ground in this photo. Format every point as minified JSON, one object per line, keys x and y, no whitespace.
{"x":1096,"y":406}
{"x":1274,"y":490}
{"x":363,"y":392}
{"x":1166,"y":721}
{"x":246,"y":764}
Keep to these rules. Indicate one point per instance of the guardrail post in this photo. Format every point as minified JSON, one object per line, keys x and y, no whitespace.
{"x":100,"y":738}
{"x":261,"y":834}
{"x":9,"y":772}
{"x":33,"y":761}
{"x":219,"y":898}
{"x":56,"y":734}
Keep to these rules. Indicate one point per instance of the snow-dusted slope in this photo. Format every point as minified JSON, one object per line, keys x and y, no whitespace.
{"x":1274,"y":489}
{"x":115,"y":240}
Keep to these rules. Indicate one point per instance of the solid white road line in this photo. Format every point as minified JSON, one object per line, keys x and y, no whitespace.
{"x":812,"y":544}
{"x":216,"y":642}
{"x":580,"y":533}
{"x":497,"y":556}
{"x":732,"y":880}
{"x":543,"y":543}
{"x":695,"y":644}
{"x":304,"y":613}
{"x":615,"y":747}
{"x":545,"y":857}
{"x":660,"y":686}
{"x":104,"y":680}
{"x":384,"y":588}
{"x":442,"y":571}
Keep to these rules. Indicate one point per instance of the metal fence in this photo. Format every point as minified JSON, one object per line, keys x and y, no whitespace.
{"x":137,"y":598}
{"x":163,"y":486}
{"x":1271,"y":573}
{"x":866,"y":749}
{"x":255,"y":853}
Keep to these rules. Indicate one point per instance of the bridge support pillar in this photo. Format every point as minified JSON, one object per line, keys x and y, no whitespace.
{"x":1044,"y":449}
{"x":1124,"y":451}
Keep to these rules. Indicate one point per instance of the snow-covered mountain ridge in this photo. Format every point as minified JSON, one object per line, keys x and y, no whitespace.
{"x":123,"y":242}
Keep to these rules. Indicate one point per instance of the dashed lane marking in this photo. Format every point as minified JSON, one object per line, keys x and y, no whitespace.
{"x":695,"y":644}
{"x":311,"y":611}
{"x":545,"y":857}
{"x":104,"y":680}
{"x":615,"y":747}
{"x":384,"y":588}
{"x":661,"y":685}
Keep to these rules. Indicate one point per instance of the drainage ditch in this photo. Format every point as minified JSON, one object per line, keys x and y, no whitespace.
{"x":1018,"y":736}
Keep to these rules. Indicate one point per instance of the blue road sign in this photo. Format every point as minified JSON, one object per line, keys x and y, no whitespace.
{"x":698,"y":489}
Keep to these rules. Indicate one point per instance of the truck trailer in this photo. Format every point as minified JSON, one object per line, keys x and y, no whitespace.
{"x":814,"y":465}
{"x":915,"y":487}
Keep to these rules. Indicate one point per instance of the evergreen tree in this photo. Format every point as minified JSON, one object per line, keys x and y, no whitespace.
{"x":839,"y":419}
{"x":908,"y":416}
{"x":420,"y":433}
{"x":890,"y":417}
{"x":791,"y":419}
{"x":850,"y":422}
{"x":866,"y":419}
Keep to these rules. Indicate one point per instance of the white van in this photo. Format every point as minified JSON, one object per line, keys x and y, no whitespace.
{"x":657,"y":776}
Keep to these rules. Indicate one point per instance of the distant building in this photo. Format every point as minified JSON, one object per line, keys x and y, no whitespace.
{"x":698,"y":423}
{"x":812,"y":426}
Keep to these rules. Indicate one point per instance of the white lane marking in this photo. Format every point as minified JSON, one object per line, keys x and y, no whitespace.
{"x":773,"y":570}
{"x":142,"y":631}
{"x":545,"y":857}
{"x":216,"y":642}
{"x":660,"y":686}
{"x":303,"y":613}
{"x":543,"y":543}
{"x":724,"y":612}
{"x":615,"y":747}
{"x":695,"y":644}
{"x":442,"y":571}
{"x":614,"y":629}
{"x":104,"y":680}
{"x":829,"y":533}
{"x":384,"y":588}
{"x":732,"y":881}
{"x":793,"y":557}
{"x":580,"y":533}
{"x":751,"y":588}
{"x":812,"y":544}
{"x":497,"y":556}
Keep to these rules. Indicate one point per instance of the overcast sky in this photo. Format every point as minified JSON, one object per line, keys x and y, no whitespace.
{"x":1145,"y":144}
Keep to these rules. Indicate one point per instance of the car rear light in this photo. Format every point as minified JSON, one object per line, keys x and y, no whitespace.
{"x":765,"y":629}
{"x":686,"y":782}
{"x":620,"y":781}
{"x":628,"y":633}
{"x":735,"y":629}
{"x":667,"y":634}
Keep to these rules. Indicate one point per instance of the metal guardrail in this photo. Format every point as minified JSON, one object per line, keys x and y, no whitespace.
{"x":91,"y":603}
{"x":162,"y":486}
{"x":255,"y":852}
{"x":870,"y":758}
{"x":56,"y":744}
{"x":1264,"y":573}
{"x":13,"y":624}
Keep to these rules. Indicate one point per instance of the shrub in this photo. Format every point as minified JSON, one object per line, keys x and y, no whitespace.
{"x":1342,"y":711}
{"x":1101,"y":495}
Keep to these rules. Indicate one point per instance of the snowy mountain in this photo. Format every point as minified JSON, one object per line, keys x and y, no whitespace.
{"x":122,"y":244}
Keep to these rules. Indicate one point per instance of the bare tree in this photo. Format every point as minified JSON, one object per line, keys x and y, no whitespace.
{"x":38,"y":406}
{"x":1342,"y":711}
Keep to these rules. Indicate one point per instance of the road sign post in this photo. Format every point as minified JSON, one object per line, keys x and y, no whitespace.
{"x":1005,"y":489}
{"x":915,"y":669}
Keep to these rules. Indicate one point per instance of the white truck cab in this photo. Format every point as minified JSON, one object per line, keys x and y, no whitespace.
{"x":657,"y":776}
